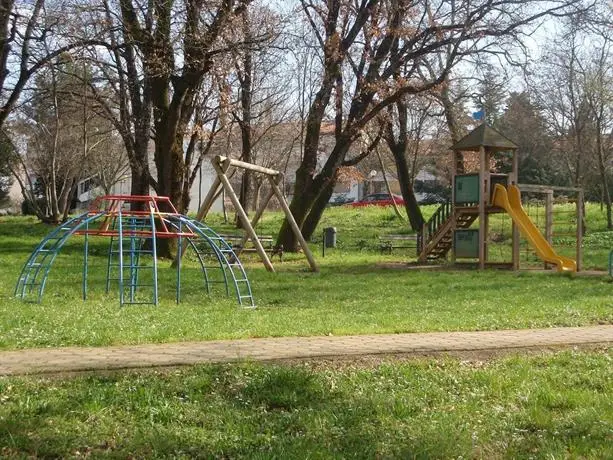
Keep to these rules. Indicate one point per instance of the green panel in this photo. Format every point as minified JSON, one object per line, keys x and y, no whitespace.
{"x":466,"y":243}
{"x":467,"y":188}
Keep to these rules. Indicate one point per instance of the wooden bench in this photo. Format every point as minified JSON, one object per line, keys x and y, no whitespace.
{"x":268,"y":243}
{"x":388,"y":243}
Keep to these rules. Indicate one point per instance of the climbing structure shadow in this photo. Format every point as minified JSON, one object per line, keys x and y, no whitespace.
{"x":134,"y":225}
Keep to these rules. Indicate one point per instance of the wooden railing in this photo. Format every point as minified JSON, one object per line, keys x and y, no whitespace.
{"x":433,"y":224}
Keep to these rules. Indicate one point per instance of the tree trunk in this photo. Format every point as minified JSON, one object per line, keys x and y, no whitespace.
{"x":387,"y":184}
{"x":312,"y":194}
{"x":171,"y":169}
{"x":603,"y":174}
{"x":299,"y":206}
{"x":256,"y":194}
{"x":317,"y":210}
{"x":453,"y":125}
{"x":245,"y":78}
{"x":416,"y":218}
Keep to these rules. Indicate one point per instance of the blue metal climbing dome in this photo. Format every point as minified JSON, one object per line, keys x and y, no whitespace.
{"x":132,"y":260}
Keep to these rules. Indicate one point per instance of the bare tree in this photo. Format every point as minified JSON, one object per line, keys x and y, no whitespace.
{"x":32,"y":34}
{"x":558,"y":84}
{"x":599,"y":95}
{"x":61,"y":135}
{"x":382,"y":45}
{"x":178,"y":42}
{"x":407,"y":125}
{"x":261,"y":88}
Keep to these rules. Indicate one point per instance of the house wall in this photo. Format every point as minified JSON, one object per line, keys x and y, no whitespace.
{"x":15,"y":195}
{"x":345,"y":192}
{"x":201,"y":187}
{"x":197,"y":193}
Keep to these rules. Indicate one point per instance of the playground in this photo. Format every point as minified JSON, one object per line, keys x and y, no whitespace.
{"x":356,"y":292}
{"x":551,"y":403}
{"x":103,"y":286}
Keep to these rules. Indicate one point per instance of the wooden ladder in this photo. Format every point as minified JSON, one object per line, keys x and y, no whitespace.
{"x":437,"y":235}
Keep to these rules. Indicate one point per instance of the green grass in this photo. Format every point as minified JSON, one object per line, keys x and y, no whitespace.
{"x":548,"y":406}
{"x":355,"y":293}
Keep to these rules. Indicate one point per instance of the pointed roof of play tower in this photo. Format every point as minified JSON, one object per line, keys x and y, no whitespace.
{"x":484,"y":136}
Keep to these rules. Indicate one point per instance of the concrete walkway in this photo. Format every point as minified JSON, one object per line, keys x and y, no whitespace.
{"x":76,"y":359}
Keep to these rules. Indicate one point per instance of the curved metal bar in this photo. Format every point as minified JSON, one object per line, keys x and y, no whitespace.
{"x":37,"y":250}
{"x":35,"y":271}
{"x":211,"y":236}
{"x":24,"y":277}
{"x":218,"y":256}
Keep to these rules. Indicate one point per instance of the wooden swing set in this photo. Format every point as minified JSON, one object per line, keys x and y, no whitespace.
{"x":224,"y":167}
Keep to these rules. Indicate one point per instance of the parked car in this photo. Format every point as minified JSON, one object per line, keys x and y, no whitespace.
{"x":378,"y":199}
{"x":340,"y":200}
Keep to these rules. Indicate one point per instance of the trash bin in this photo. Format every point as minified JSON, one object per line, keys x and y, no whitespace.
{"x":330,"y":237}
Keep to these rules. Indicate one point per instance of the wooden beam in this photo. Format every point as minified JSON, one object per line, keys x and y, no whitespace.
{"x":454,"y":173}
{"x":483,"y":199}
{"x":212,"y":195}
{"x":242,"y":215}
{"x":256,"y":219}
{"x":515,"y":235}
{"x":241,"y":164}
{"x":579,"y":258}
{"x":515,"y":168}
{"x":210,"y":198}
{"x":274,"y":183}
{"x":548,"y":217}
{"x":545,"y":188}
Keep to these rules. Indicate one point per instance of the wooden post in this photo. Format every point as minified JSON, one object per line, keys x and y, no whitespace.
{"x":514,"y":178}
{"x":515,"y":248}
{"x":549,"y":216}
{"x":483,"y":199}
{"x":211,"y":195}
{"x":579,"y":259}
{"x":515,"y":169}
{"x":241,"y":213}
{"x":274,"y":183}
{"x":454,"y":173}
{"x":488,"y":195}
{"x":214,"y":192}
{"x":256,"y":219}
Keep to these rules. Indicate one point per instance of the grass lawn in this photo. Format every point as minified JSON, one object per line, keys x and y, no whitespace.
{"x":549,"y":406}
{"x":355,"y":293}
{"x":555,"y":405}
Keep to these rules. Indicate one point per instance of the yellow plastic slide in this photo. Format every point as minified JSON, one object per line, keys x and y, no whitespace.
{"x":511,"y":203}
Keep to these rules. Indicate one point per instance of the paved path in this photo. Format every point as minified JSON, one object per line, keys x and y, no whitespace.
{"x":74,"y":359}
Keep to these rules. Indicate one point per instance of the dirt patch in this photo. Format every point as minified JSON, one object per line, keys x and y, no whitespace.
{"x":475,"y":358}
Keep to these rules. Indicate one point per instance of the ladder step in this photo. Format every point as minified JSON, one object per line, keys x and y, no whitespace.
{"x":138,"y":303}
{"x":131,"y":266}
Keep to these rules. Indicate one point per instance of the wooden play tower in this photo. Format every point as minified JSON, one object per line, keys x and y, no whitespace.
{"x":478,"y":194}
{"x":471,"y":198}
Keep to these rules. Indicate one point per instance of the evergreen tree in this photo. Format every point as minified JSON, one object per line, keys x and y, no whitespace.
{"x":523,"y":123}
{"x":491,"y":96}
